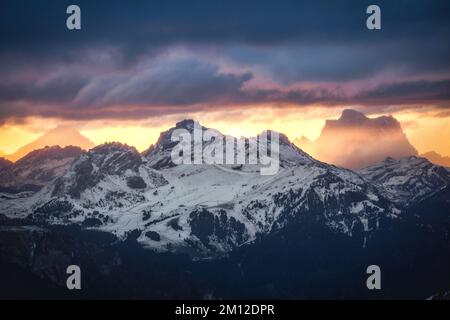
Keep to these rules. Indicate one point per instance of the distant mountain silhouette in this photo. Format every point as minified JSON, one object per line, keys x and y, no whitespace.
{"x":355,"y":141}
{"x":305,"y":144}
{"x":60,"y":136}
{"x":436,"y":158}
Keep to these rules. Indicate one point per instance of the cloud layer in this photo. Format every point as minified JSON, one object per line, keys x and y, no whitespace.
{"x":151,"y":58}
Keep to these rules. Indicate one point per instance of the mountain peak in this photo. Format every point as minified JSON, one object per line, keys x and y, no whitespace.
{"x":112,"y":146}
{"x":60,"y":136}
{"x":114,"y":157}
{"x":350,"y":115}
{"x":353,"y":118}
{"x":187,"y":124}
{"x":37,"y":168}
{"x":50,"y":153}
{"x":355,"y":141}
{"x":304,"y":144}
{"x":304,"y":139}
{"x":165,"y":144}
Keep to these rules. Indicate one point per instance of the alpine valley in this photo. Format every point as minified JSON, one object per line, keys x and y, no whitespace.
{"x":140,"y":226}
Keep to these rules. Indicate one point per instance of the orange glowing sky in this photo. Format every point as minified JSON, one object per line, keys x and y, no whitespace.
{"x":425,"y":129}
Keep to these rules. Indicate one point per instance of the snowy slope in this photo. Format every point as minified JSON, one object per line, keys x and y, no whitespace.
{"x":38,"y":168}
{"x":407,"y":180}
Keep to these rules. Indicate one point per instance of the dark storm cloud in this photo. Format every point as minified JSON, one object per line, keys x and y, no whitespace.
{"x":399,"y":93}
{"x":179,"y":82}
{"x":174,"y":85}
{"x":138,"y":27}
{"x":409,"y":91}
{"x":115,"y":67}
{"x":37,"y":23}
{"x":58,"y":89}
{"x":342,"y":62}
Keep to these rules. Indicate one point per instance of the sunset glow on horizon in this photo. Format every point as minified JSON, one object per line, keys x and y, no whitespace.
{"x":425,"y":130}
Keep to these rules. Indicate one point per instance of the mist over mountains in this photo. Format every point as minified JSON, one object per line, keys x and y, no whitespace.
{"x":355,"y":141}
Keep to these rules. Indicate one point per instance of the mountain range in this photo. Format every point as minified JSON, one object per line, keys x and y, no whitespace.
{"x":303,"y":218}
{"x":36,"y":169}
{"x":362,"y":141}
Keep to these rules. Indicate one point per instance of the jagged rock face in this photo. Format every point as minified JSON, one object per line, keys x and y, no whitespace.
{"x":111,"y":159}
{"x":38,"y":168}
{"x":107,"y":179}
{"x":158,"y":156}
{"x":407,"y":180}
{"x":337,"y":198}
{"x":355,"y":141}
{"x":114,"y":158}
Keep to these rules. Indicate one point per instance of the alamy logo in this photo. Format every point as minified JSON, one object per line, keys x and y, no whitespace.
{"x":73,"y":21}
{"x":207,"y":146}
{"x":374,"y":280}
{"x":74,"y":280}
{"x":374,"y":20}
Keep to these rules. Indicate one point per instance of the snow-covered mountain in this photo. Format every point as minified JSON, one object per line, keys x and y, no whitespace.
{"x":202,"y":209}
{"x":37,"y":169}
{"x":408,"y":180}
